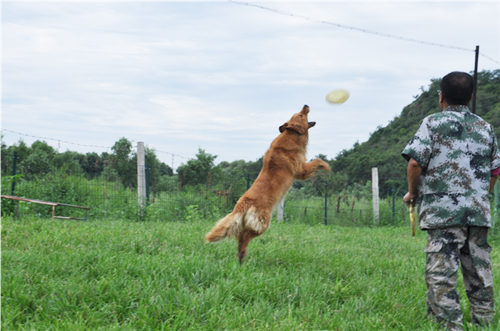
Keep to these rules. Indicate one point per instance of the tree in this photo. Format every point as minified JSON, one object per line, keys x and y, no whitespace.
{"x":196,"y":170}
{"x":122,"y":163}
{"x":37,"y":163}
{"x":36,"y":160}
{"x":241,"y":168}
{"x":69,"y":161}
{"x":165,"y":170}
{"x":92,"y":164}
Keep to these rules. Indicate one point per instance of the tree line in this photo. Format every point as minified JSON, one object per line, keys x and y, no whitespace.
{"x":351,"y":168}
{"x":40,"y":159}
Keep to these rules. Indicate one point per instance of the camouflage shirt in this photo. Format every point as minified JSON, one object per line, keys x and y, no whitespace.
{"x":457,"y":151}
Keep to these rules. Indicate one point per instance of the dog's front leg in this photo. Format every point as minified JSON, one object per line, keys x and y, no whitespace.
{"x":309,"y":168}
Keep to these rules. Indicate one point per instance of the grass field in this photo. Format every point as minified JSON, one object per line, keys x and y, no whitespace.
{"x":124,"y":275}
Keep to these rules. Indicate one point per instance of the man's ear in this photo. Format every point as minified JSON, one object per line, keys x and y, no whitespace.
{"x":283,"y":127}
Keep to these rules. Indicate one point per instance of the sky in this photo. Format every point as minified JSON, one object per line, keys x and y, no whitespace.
{"x":223,"y":76}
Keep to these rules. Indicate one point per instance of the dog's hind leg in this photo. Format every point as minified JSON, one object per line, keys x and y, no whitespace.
{"x":256,"y":223}
{"x":243,"y":241}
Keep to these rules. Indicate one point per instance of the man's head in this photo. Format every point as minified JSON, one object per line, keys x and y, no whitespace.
{"x":457,"y":88}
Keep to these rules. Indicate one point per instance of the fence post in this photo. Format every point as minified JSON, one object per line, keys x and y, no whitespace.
{"x":14,"y":162}
{"x":141,"y":175}
{"x":147,"y":184}
{"x":280,"y":210}
{"x":375,"y":196}
{"x":393,"y":203}
{"x":326,"y":202}
{"x":248,"y":181}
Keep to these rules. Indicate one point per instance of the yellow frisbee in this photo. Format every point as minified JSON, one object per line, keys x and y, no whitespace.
{"x":337,"y":96}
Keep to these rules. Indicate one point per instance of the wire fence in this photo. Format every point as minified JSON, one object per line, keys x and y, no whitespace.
{"x":112,"y":192}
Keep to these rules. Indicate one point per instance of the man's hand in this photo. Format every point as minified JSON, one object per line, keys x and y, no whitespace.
{"x":410,"y":198}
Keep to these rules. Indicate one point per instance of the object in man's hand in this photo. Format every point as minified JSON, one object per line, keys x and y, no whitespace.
{"x":413,"y":219}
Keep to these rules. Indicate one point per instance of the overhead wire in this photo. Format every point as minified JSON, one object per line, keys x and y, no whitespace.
{"x":77,"y":144}
{"x":343,"y":26}
{"x":58,"y":140}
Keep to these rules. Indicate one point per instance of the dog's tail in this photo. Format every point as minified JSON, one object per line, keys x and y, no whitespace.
{"x":229,"y":226}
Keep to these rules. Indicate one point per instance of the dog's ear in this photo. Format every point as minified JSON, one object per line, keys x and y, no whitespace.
{"x":283,"y":127}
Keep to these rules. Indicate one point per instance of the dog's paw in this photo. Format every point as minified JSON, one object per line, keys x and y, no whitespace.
{"x":324,"y":166}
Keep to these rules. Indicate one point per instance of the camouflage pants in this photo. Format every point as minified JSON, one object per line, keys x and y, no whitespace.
{"x":445,"y":249}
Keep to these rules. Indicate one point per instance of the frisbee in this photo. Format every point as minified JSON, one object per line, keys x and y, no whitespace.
{"x":337,"y":96}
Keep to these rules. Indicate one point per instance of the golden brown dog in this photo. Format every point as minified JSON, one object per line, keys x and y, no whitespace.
{"x":284,"y":161}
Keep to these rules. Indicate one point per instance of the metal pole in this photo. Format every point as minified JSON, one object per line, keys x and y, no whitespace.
{"x":326,"y":202}
{"x":14,"y":162}
{"x":475,"y":81}
{"x":393,"y":202}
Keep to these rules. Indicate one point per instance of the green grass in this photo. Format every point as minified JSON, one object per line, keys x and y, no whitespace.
{"x":124,"y":275}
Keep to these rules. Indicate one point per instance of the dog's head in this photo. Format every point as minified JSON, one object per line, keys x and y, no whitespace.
{"x":298,"y":123}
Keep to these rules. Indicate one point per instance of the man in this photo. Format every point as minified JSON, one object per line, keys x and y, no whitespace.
{"x":453,"y":164}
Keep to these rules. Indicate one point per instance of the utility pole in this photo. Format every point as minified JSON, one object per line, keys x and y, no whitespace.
{"x":475,"y":81}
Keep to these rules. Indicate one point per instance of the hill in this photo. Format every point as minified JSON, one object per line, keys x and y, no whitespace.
{"x":383,"y":148}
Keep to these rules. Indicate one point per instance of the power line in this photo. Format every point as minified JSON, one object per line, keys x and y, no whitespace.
{"x":187,"y":158}
{"x":343,"y":26}
{"x":67,"y":142}
{"x":173,"y":156}
{"x":58,"y":140}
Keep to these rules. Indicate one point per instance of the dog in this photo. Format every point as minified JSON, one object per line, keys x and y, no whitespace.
{"x":284,"y":161}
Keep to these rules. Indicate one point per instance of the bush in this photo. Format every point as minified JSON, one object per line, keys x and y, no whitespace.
{"x":8,"y":205}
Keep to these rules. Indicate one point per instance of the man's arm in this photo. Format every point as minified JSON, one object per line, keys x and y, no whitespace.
{"x":414,"y":172}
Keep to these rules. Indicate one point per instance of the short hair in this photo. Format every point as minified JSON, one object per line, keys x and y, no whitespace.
{"x":457,"y":88}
